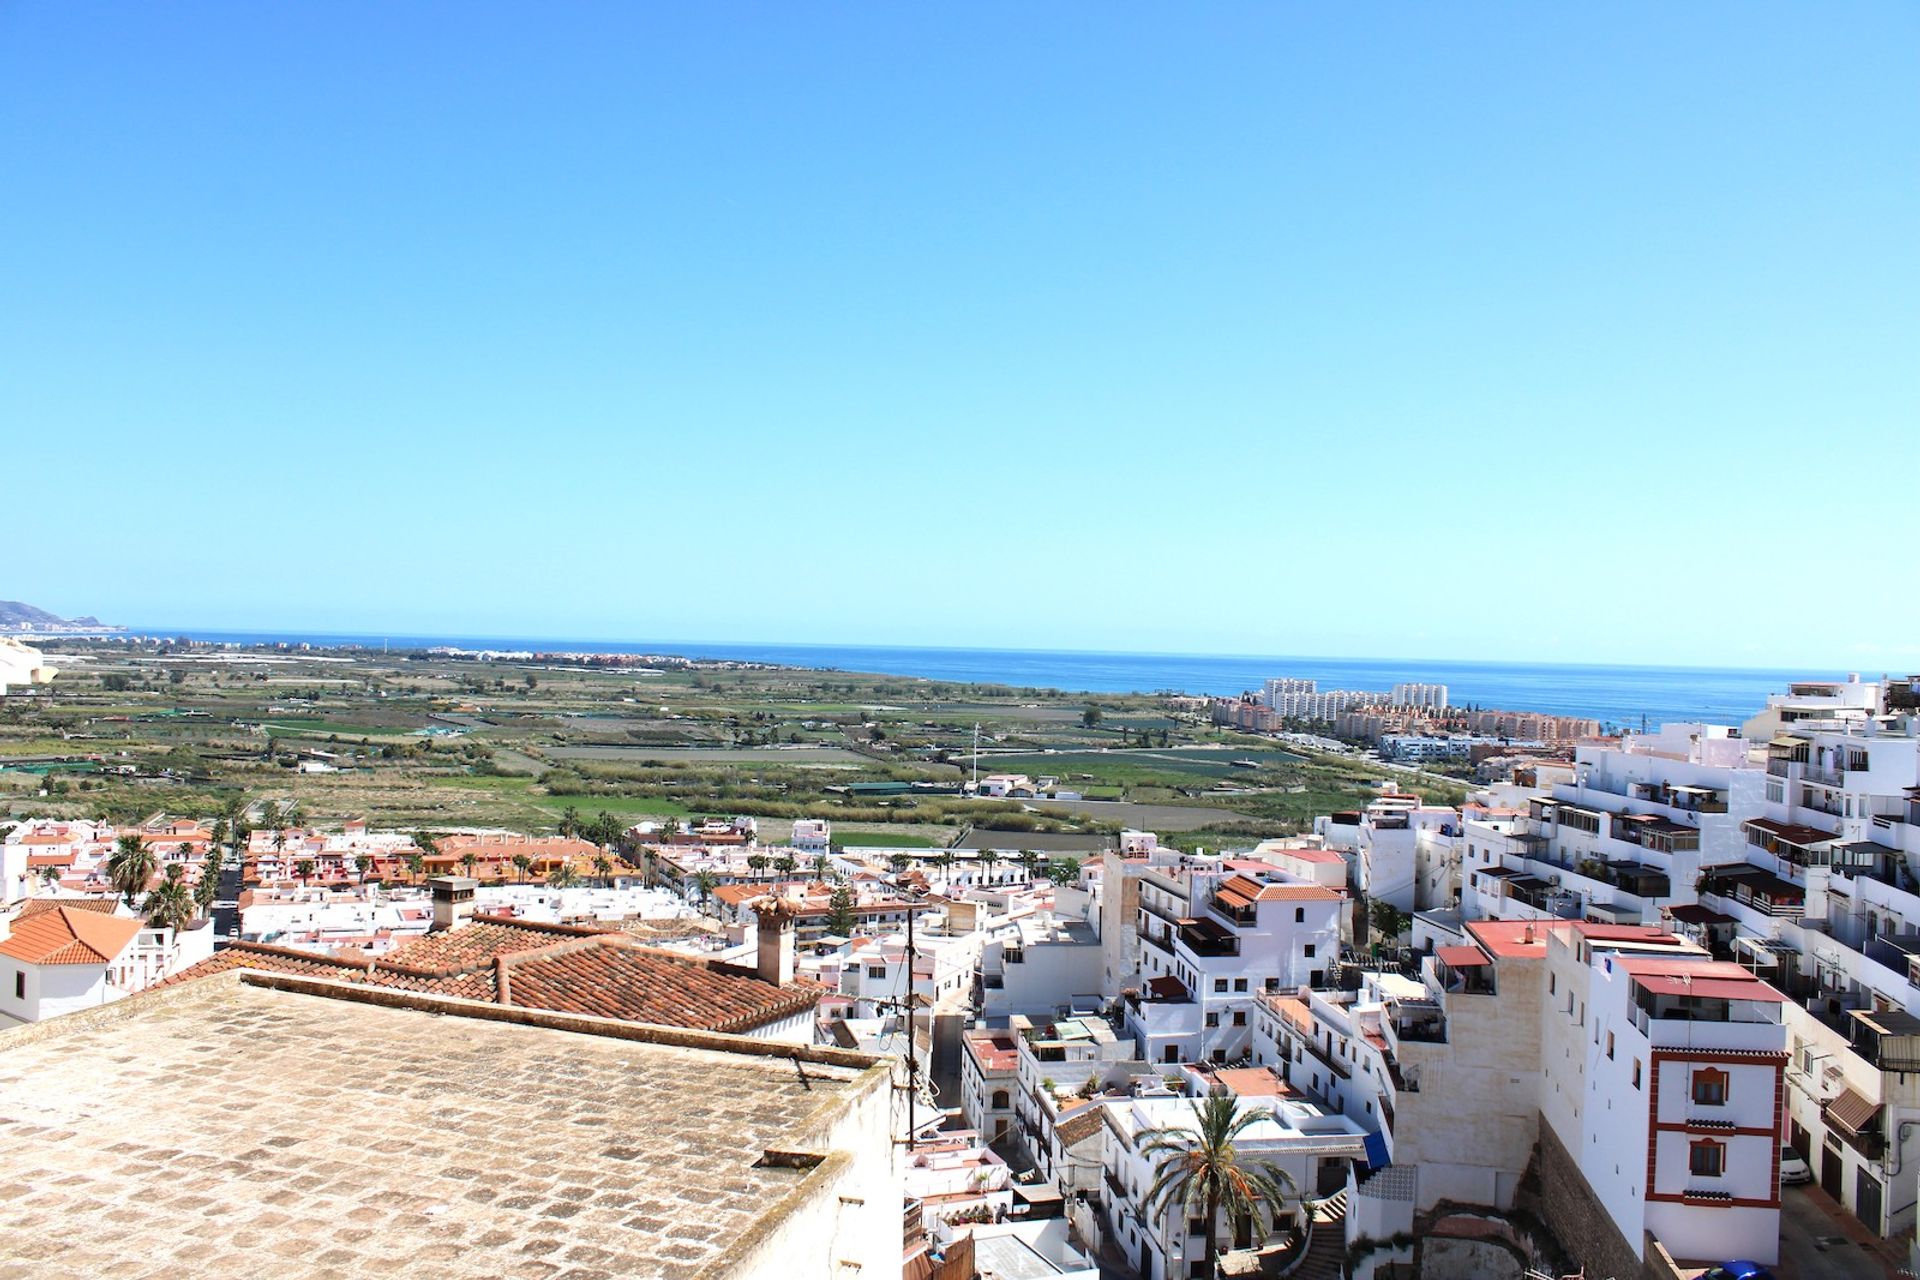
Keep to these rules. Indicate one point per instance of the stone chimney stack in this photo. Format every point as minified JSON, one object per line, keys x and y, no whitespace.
{"x":452,"y":900}
{"x":776,"y":942}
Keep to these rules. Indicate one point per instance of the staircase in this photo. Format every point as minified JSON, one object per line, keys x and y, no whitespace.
{"x":1326,"y":1256}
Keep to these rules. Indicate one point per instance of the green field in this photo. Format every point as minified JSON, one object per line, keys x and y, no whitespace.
{"x":547,"y":737}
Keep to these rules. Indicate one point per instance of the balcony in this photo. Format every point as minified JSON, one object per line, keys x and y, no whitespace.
{"x":1888,"y":1039}
{"x":1208,"y":938}
{"x":1822,"y":777}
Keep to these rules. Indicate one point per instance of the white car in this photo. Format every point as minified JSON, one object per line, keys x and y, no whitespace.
{"x":1793,"y":1168}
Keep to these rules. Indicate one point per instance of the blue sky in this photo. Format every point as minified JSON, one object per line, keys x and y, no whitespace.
{"x":1459,"y":331}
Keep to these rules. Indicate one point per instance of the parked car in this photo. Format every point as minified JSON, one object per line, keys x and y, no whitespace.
{"x":1740,"y":1270}
{"x":1793,"y":1168}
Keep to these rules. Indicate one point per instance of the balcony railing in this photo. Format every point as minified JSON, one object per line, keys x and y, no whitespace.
{"x":1822,"y":777}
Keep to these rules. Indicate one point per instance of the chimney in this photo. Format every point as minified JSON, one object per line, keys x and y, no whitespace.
{"x":452,"y":901}
{"x":776,"y":943}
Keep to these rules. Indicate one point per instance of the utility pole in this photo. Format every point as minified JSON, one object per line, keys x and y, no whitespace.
{"x":976,"y":763}
{"x":913,"y":1061}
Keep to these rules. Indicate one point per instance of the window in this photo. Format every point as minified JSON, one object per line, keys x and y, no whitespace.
{"x":1239,"y":984}
{"x":1299,"y":915}
{"x":1310,"y":950}
{"x":1710,"y":1087}
{"x":1213,"y":1019}
{"x":1553,"y":983}
{"x":1000,"y":1100}
{"x":1239,"y":1017}
{"x":1220,"y":984}
{"x":1609,"y":1044}
{"x":876,"y":971}
{"x":1707,"y":1158}
{"x":1636,"y":1073}
{"x":20,"y":984}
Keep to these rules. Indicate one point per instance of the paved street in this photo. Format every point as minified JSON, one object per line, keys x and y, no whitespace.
{"x":1820,"y":1241}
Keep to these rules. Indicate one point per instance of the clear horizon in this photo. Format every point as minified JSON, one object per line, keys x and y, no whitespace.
{"x":1815,"y":671}
{"x":1496,"y":330}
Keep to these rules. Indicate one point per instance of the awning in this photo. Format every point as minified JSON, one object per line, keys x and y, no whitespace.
{"x":1852,"y":1113}
{"x":1462,"y":957}
{"x":1694,"y":913}
{"x":1663,"y":984}
{"x":1794,"y":833}
{"x":1788,"y":740}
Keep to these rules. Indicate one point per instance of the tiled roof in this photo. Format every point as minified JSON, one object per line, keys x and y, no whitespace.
{"x":36,"y":906}
{"x":561,"y":968}
{"x":479,"y":942}
{"x":63,"y":936}
{"x":1239,"y":891}
{"x":637,"y":984}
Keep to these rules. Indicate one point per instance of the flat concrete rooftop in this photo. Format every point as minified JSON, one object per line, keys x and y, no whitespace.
{"x":228,"y":1128}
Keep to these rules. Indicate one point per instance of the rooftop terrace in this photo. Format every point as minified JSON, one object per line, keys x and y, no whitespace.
{"x":255,"y":1124}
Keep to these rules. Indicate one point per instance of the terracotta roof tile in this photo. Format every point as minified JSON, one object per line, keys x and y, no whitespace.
{"x":561,"y":968}
{"x":63,"y":936}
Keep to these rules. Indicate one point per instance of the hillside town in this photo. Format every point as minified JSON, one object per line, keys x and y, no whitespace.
{"x":1624,"y":1011}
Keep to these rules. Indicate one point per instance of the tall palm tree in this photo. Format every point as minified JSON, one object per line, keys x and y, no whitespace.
{"x":467,"y":861}
{"x":1200,"y":1169}
{"x":704,"y":882}
{"x":170,"y":905}
{"x":416,"y":865}
{"x":270,"y":814}
{"x":523,"y":864}
{"x":130,"y":866}
{"x":561,"y":877}
{"x":207,"y":888}
{"x":603,"y":867}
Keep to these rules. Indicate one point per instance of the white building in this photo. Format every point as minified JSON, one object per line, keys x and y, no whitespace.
{"x":1431,"y":696}
{"x":22,"y":664}
{"x":1211,"y":942}
{"x":1163,"y":1244}
{"x":58,"y":959}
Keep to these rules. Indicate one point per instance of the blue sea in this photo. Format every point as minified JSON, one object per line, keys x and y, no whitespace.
{"x":1619,"y":695}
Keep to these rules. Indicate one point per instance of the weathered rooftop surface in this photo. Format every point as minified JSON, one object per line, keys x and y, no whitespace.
{"x":229,"y":1127}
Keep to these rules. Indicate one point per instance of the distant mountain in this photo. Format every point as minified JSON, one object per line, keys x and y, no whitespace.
{"x":15,"y":616}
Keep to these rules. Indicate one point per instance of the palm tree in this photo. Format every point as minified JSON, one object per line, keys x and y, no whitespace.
{"x":207,"y":888}
{"x":304,"y":869}
{"x":703,"y":884}
{"x":170,"y":905}
{"x":570,"y":821}
{"x":561,"y":877}
{"x":603,"y":865}
{"x":757,"y":862}
{"x":523,"y":864}
{"x":785,"y":864}
{"x":989,"y":858}
{"x":1199,"y":1169}
{"x":130,"y":866}
{"x":416,"y":865}
{"x":270,"y":814}
{"x":467,"y":861}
